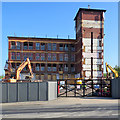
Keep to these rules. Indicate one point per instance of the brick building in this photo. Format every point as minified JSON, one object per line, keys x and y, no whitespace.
{"x":63,"y":58}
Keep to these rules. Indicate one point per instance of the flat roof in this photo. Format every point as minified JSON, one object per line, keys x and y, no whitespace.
{"x":36,"y":38}
{"x":86,"y":9}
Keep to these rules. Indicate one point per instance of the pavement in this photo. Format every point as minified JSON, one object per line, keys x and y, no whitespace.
{"x":63,"y":107}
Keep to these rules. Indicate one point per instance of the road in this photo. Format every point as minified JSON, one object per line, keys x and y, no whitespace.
{"x":63,"y":108}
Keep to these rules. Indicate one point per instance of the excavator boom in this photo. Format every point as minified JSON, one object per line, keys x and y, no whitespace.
{"x":20,"y":68}
{"x":113,"y":70}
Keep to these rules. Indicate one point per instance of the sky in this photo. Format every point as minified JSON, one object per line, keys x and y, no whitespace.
{"x":41,"y":19}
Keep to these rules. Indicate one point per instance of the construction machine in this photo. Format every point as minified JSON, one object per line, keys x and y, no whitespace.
{"x":20,"y":68}
{"x":112,"y":69}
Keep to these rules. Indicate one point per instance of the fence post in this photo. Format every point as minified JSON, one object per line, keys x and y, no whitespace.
{"x":110,"y":87}
{"x":83,"y":87}
{"x":92,"y":87}
{"x":17,"y":92}
{"x":28,"y":91}
{"x":75,"y":88}
{"x":38,"y":91}
{"x":66,"y":87}
{"x":101,"y":87}
{"x":7,"y":92}
{"x":57,"y":87}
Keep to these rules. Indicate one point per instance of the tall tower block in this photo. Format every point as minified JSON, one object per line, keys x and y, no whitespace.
{"x":89,"y":26}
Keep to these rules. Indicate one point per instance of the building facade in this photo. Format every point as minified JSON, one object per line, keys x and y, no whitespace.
{"x":63,"y":58}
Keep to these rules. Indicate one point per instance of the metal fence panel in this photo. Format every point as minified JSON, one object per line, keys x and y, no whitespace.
{"x":22,"y":92}
{"x":33,"y":91}
{"x":52,"y":90}
{"x":43,"y":88}
{"x":116,"y":88}
{"x":4,"y":93}
{"x":12,"y":92}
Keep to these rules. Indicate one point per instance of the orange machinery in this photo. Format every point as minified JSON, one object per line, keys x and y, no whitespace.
{"x":20,"y":68}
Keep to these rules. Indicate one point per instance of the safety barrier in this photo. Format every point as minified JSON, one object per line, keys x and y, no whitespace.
{"x":91,"y":87}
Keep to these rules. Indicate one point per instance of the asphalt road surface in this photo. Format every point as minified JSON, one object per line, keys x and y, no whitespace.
{"x":63,"y":108}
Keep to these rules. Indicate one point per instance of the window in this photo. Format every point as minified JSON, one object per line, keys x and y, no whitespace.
{"x":66,"y":67}
{"x":37,"y":46}
{"x":49,"y":45}
{"x":99,"y":67}
{"x":54,"y":46}
{"x":25,"y":45}
{"x":49,"y":77}
{"x":25,"y":56}
{"x":49,"y":56}
{"x":49,"y":67}
{"x":72,"y":47}
{"x":12,"y":67}
{"x":54,"y":67}
{"x":42,"y":67}
{"x":66,"y":57}
{"x":42,"y":46}
{"x":18,"y":56}
{"x":12,"y":45}
{"x":54,"y":77}
{"x":42,"y":77}
{"x":72,"y":58}
{"x":13,"y":56}
{"x":17,"y":65}
{"x":100,"y":43}
{"x":72,"y":68}
{"x":54,"y":57}
{"x":37,"y":77}
{"x":30,"y":45}
{"x":42,"y":56}
{"x":66,"y":47}
{"x":37,"y":67}
{"x":30,"y":55}
{"x":61,"y":47}
{"x":18,"y":45}
{"x":61,"y":57}
{"x":60,"y":67}
{"x":37,"y":56}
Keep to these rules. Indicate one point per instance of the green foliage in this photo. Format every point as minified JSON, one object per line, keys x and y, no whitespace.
{"x":117,"y":68}
{"x":2,"y":76}
{"x":105,"y":74}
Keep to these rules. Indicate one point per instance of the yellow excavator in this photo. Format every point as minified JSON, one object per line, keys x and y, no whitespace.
{"x":112,"y":69}
{"x":20,"y":68}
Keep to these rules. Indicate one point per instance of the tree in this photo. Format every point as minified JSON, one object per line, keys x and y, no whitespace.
{"x":117,"y":68}
{"x":1,"y":76}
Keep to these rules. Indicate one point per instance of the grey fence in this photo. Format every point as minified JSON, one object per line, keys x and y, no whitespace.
{"x":116,"y":88}
{"x":34,"y":91}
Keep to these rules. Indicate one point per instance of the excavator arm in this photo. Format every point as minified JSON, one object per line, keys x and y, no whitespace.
{"x":113,"y":70}
{"x":20,"y":68}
